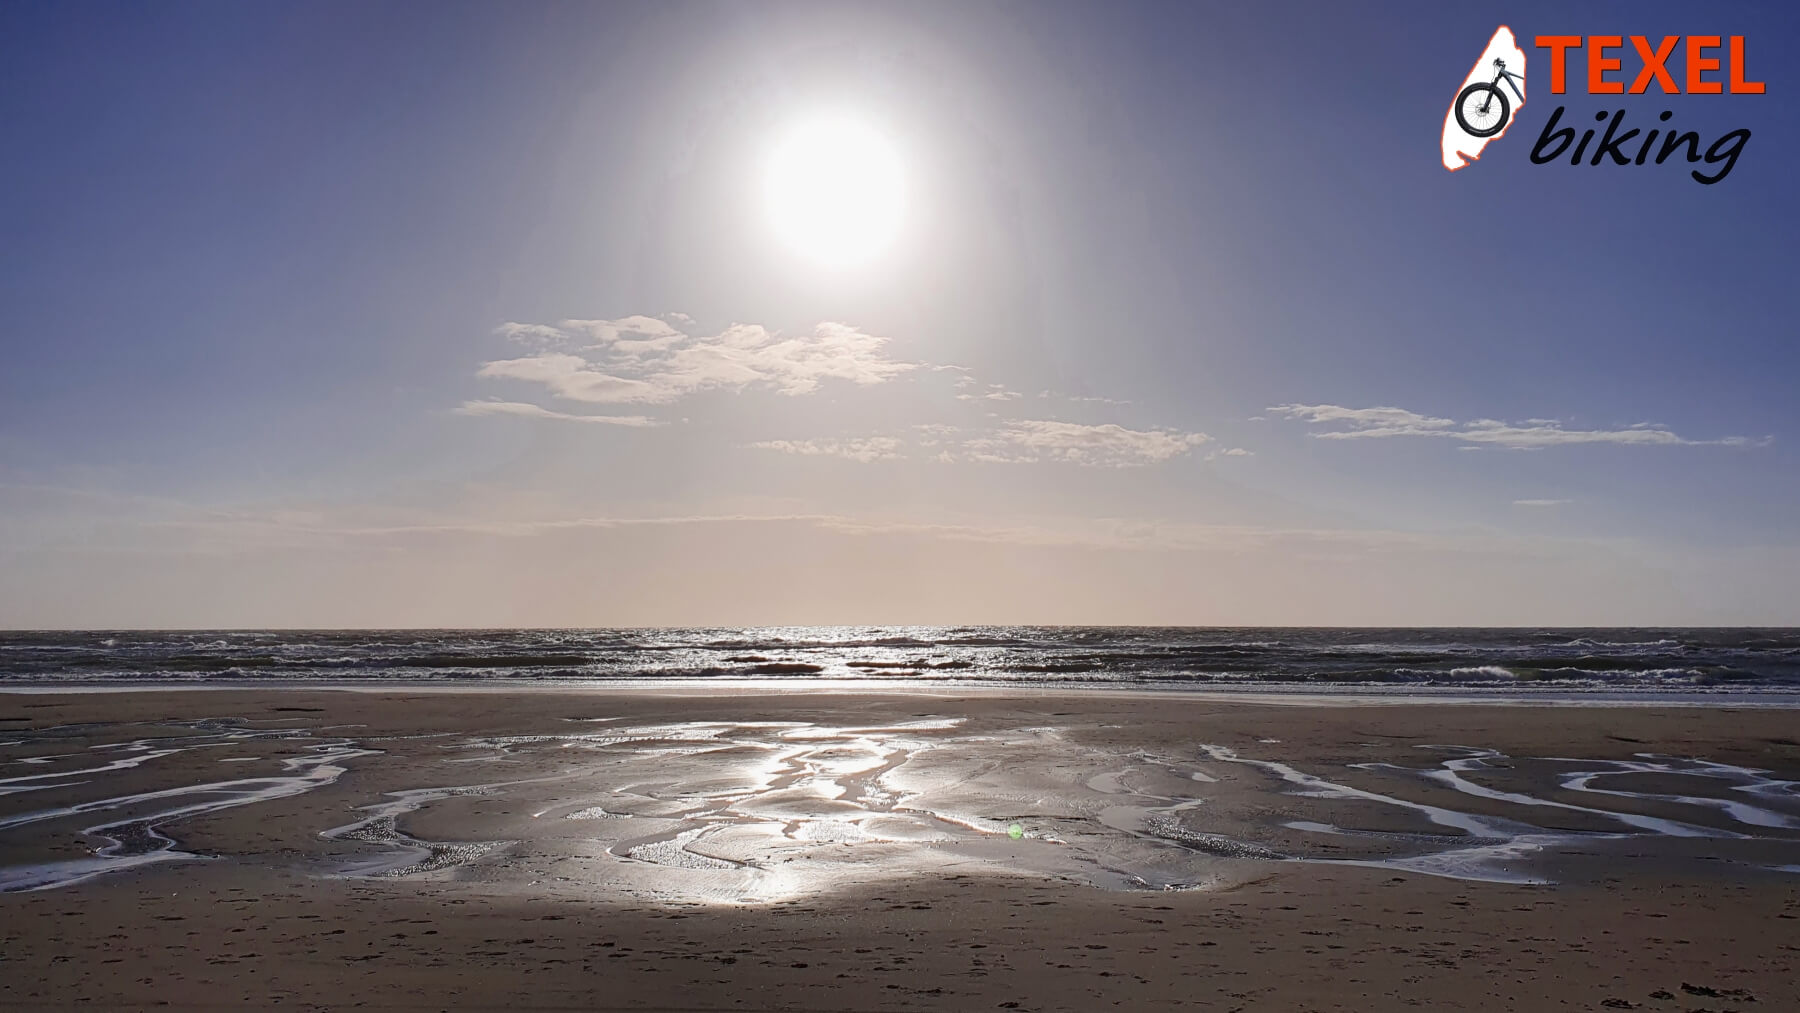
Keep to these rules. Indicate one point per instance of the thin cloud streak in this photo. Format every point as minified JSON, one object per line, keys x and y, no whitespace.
{"x":646,"y":360}
{"x":872,"y":448}
{"x":536,"y":412}
{"x":1108,"y":446}
{"x":643,"y":360}
{"x":1020,"y":441}
{"x":1531,"y":434}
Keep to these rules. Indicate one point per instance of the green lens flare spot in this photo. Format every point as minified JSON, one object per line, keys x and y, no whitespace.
{"x":1015,"y":831}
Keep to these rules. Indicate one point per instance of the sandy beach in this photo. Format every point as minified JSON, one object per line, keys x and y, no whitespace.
{"x":563,"y":848}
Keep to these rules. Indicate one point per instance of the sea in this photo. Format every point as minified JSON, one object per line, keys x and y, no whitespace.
{"x":1750,"y":662}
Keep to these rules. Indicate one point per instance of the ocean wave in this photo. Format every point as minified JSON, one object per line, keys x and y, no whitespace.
{"x":1681,"y":659}
{"x":1586,"y":642}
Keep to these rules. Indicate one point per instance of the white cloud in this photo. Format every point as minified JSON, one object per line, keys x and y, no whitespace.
{"x":932,"y":434}
{"x":1016,"y":442}
{"x":1539,"y":502}
{"x":866,"y":449}
{"x":1531,"y":434}
{"x":653,"y":361}
{"x":1110,"y":445}
{"x":1081,"y":397}
{"x":644,"y":360}
{"x":994,"y":392}
{"x":1372,"y":421}
{"x":629,"y":337}
{"x":568,"y":376}
{"x":533,"y":411}
{"x":1231,"y":452}
{"x":537,"y":335}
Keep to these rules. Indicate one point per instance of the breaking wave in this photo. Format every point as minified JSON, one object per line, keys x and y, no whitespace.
{"x":1395,"y":660}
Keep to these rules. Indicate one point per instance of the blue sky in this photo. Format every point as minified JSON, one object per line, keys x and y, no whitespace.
{"x":1157,"y":266}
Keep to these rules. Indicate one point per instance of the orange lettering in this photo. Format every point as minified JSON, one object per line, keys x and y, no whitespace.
{"x":1557,"y":45}
{"x":1697,"y":64}
{"x":1739,"y":86}
{"x":1655,"y":65}
{"x":1599,"y":64}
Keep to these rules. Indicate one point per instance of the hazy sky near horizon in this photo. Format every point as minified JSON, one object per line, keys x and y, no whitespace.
{"x":408,"y":314}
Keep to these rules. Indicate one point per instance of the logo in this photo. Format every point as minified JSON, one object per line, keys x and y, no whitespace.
{"x":1483,"y":108}
{"x":1481,"y":111}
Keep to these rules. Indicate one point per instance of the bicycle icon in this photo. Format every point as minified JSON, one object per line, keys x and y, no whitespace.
{"x":1482,"y":109}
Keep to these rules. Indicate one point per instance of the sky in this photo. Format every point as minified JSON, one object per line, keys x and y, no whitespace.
{"x":478,"y":314}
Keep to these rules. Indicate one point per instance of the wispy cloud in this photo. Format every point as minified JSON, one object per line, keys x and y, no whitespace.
{"x":1110,"y":445}
{"x":626,"y":333}
{"x":644,"y":360}
{"x":992,"y":392}
{"x":1369,"y":421}
{"x":536,"y":412}
{"x":866,"y":449}
{"x":534,"y":335}
{"x":1022,"y":441}
{"x":1081,"y":397}
{"x":1539,"y":502}
{"x":1530,"y":434}
{"x":652,"y":361}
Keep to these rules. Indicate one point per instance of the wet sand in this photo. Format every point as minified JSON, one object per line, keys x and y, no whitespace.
{"x":610,"y":850}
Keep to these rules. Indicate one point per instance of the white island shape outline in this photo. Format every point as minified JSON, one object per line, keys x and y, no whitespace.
{"x":1459,"y":147}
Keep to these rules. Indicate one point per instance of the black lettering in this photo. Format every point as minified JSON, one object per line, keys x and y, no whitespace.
{"x":1675,"y":140}
{"x":1562,"y":138}
{"x":1581,"y":149}
{"x":1713,"y":154}
{"x":1650,"y":138}
{"x":1556,"y":140}
{"x":1609,"y":145}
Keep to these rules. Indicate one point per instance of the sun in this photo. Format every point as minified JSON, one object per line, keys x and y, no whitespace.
{"x":834,"y":190}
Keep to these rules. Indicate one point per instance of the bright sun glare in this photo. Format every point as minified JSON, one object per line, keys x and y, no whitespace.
{"x":834,"y":190}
